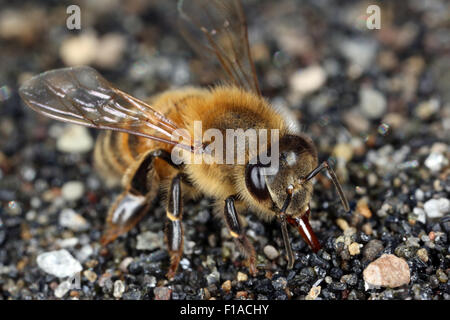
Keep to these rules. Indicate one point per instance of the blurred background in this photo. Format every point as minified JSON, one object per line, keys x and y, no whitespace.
{"x":375,"y":101}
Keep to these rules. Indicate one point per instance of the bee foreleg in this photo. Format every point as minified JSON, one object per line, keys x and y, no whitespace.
{"x":132,"y":204}
{"x":174,"y":227}
{"x":238,"y":234}
{"x":326,"y":165}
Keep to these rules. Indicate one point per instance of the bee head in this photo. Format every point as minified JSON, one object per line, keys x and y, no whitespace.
{"x":297,"y":157}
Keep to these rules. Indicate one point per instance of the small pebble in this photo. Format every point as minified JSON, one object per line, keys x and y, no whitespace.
{"x":343,"y":224}
{"x":59,"y":263}
{"x":90,"y":275}
{"x":72,"y":190}
{"x":308,"y":80}
{"x":75,"y":139}
{"x":362,"y":208}
{"x":354,"y":248}
{"x":422,"y":254}
{"x":437,"y":208}
{"x":119,"y":289}
{"x":113,"y":46}
{"x":125,"y":263}
{"x":420,"y":213}
{"x":162,"y":293}
{"x":313,"y":293}
{"x":62,"y":289}
{"x":343,"y":151}
{"x":436,"y":161}
{"x":149,"y":241}
{"x":226,"y":286}
{"x":241,"y":277}
{"x":79,"y":50}
{"x":441,"y":276}
{"x":72,"y":220}
{"x":371,"y":249}
{"x":387,"y":271}
{"x":271,"y":252}
{"x":372,"y":102}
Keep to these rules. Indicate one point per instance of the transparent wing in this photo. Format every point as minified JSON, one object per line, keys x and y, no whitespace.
{"x":219,"y":28}
{"x":82,"y":96}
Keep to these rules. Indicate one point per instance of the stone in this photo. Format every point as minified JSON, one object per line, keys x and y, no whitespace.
{"x":360,"y":52}
{"x":343,"y":151}
{"x":62,"y":289}
{"x":74,"y":139}
{"x":420,"y":213}
{"x":422,"y":253}
{"x":372,"y":103}
{"x":241,"y":277}
{"x":119,"y":289}
{"x":271,"y":252}
{"x":162,"y":293}
{"x":59,"y":263}
{"x":226,"y":286}
{"x":353,"y":248}
{"x":437,"y":208}
{"x":149,"y":241}
{"x":72,"y":220}
{"x":436,"y":161}
{"x":90,"y":275}
{"x":387,"y":271}
{"x":362,"y":207}
{"x":313,"y":293}
{"x":372,"y":248}
{"x":79,"y":50}
{"x":308,"y":80}
{"x":72,"y":190}
{"x":112,"y":47}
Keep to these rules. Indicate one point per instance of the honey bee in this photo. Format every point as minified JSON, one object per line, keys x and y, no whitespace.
{"x":136,"y":147}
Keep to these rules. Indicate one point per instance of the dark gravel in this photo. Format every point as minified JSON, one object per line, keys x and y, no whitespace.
{"x":382,"y":116}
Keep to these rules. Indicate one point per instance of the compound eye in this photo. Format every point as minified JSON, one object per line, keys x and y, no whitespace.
{"x":256,"y":182}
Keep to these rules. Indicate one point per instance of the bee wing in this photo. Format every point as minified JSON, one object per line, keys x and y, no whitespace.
{"x":82,"y":96}
{"x":223,"y":29}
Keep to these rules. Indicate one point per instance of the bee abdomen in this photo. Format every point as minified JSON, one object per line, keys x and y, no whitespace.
{"x":114,"y":154}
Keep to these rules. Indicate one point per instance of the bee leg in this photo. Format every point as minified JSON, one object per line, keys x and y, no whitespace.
{"x":174,"y":228}
{"x":132,"y":204}
{"x":238,"y":234}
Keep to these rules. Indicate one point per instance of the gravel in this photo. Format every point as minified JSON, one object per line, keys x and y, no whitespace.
{"x":375,"y":102}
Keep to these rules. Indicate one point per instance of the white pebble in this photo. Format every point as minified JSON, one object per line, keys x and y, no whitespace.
{"x":271,"y":252}
{"x":67,"y":243}
{"x":149,"y":241}
{"x":360,"y":52}
{"x":372,"y":103}
{"x":72,"y":190}
{"x":113,"y":46}
{"x":72,"y":220}
{"x":62,"y":289}
{"x":75,"y":139}
{"x":85,"y":252}
{"x":119,"y":289}
{"x":437,"y":208}
{"x":436,"y":161}
{"x":59,"y":263}
{"x":419,"y":194}
{"x":420,"y":214}
{"x":308,"y":80}
{"x":79,"y":50}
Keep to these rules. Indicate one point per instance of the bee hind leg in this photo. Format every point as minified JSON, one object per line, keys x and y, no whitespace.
{"x":132,"y":204}
{"x":174,"y":228}
{"x":244,"y":245}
